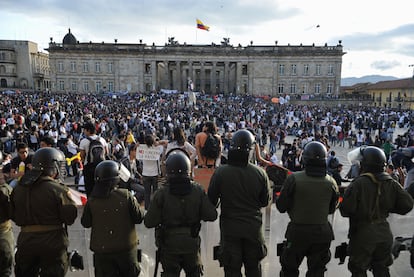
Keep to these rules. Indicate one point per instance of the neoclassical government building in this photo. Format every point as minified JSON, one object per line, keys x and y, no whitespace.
{"x":90,"y":67}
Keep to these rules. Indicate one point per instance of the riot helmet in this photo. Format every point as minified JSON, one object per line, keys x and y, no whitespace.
{"x":314,"y":153}
{"x":106,"y":178}
{"x":314,"y":158}
{"x":178,"y":169}
{"x":373,"y":159}
{"x":241,"y":144}
{"x":50,"y":162}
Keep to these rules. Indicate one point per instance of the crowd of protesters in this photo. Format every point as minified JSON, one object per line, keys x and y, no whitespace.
{"x":125,"y":119}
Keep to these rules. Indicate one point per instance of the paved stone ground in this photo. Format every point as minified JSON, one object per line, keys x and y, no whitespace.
{"x":274,"y":229}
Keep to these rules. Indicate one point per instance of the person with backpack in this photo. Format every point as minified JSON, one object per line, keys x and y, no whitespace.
{"x":332,"y":163}
{"x":208,"y":145}
{"x":93,"y":150}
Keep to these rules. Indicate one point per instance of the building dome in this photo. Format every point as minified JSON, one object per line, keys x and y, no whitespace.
{"x":69,"y":38}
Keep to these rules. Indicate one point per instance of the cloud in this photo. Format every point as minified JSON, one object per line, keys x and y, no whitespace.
{"x":380,"y":40}
{"x":385,"y":65}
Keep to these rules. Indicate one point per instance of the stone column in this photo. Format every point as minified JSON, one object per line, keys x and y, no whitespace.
{"x":154,"y":75}
{"x":202,"y":77}
{"x":226,"y":77}
{"x":213,"y":78}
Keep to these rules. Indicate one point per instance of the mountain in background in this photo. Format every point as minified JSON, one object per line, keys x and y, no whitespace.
{"x":366,"y":79}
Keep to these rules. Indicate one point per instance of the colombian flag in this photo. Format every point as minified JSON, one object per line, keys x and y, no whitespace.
{"x":201,"y":26}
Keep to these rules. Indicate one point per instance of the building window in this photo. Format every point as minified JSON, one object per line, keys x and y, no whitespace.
{"x":147,"y":68}
{"x":330,"y":69}
{"x":318,"y":69}
{"x":85,"y":86}
{"x":293,"y":69}
{"x":317,"y":88}
{"x":305,"y":88}
{"x":244,"y":69}
{"x":111,"y":86}
{"x":61,"y":85}
{"x":306,"y":69}
{"x":98,"y":86}
{"x":74,"y":86}
{"x":60,"y":66}
{"x":329,"y":89}
{"x":280,"y":88}
{"x":97,"y":67}
{"x":73,"y":66}
{"x":292,"y":88}
{"x":281,"y":69}
{"x":85,"y":67}
{"x":110,"y":68}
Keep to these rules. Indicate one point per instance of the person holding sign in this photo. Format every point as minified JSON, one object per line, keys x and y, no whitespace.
{"x":150,"y":154}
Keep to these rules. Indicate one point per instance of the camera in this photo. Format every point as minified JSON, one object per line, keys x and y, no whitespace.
{"x":280,"y":248}
{"x":216,"y":252}
{"x":75,"y":261}
{"x":341,"y":251}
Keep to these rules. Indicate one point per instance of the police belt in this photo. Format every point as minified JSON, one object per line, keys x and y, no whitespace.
{"x":5,"y":226}
{"x":40,"y":228}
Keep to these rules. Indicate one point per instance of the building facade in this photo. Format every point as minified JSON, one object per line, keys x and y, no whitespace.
{"x":217,"y":68}
{"x":393,"y":94}
{"x":22,"y":66}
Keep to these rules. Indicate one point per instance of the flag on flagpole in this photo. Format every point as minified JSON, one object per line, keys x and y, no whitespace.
{"x":201,"y":26}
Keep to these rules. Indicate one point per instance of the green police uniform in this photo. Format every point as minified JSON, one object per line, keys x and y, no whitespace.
{"x":242,"y":191}
{"x":177,"y":218}
{"x":114,"y":239}
{"x":42,"y":209}
{"x":308,"y":201}
{"x":6,"y":233}
{"x":367,"y":202}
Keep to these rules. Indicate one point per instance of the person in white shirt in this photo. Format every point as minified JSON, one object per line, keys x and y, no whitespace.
{"x":151,"y":168}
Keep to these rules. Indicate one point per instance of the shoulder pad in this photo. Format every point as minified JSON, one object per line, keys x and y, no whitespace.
{"x":30,"y":177}
{"x":383,"y":176}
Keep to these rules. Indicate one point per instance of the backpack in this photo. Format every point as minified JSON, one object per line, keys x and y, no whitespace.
{"x":96,"y":151}
{"x":211,"y":148}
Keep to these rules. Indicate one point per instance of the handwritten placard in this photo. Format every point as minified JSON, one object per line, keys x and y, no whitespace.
{"x":145,"y":153}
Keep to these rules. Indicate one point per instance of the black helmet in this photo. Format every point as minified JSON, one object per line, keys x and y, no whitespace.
{"x":373,"y":159}
{"x":240,"y":145}
{"x":178,"y":164}
{"x":242,"y":141}
{"x":50,"y":162}
{"x":107,"y":172}
{"x":314,"y":153}
{"x":106,"y":178}
{"x":178,"y":167}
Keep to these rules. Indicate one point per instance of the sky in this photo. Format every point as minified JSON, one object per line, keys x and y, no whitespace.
{"x":377,"y":35}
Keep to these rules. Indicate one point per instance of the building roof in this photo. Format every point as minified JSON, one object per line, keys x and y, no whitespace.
{"x":407,"y":83}
{"x":69,"y":38}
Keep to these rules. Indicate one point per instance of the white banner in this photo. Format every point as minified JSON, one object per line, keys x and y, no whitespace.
{"x":145,"y":153}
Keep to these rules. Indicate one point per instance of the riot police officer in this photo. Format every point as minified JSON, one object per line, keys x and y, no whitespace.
{"x":242,"y":189}
{"x":308,"y":197}
{"x":6,"y":233}
{"x":176,"y":211}
{"x":367,"y":202}
{"x":43,"y":207}
{"x":112,"y":213}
